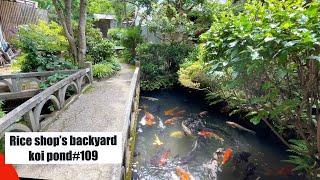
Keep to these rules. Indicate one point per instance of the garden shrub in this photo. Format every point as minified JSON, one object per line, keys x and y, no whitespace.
{"x":98,"y":49}
{"x":46,"y":37}
{"x":114,"y":64}
{"x":115,"y":34}
{"x":101,"y":50}
{"x":102,"y":70}
{"x":45,"y":62}
{"x":264,"y":59}
{"x":51,"y":80}
{"x":18,"y":62}
{"x":92,"y":34}
{"x":193,"y":72}
{"x":159,"y":64}
{"x":44,"y":46}
{"x":106,"y":68}
{"x":190,"y":75}
{"x":130,"y":39}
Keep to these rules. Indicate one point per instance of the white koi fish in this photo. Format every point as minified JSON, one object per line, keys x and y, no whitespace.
{"x":143,"y":120}
{"x":161,"y":125}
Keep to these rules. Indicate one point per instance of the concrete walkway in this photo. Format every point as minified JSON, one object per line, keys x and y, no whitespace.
{"x":100,"y":110}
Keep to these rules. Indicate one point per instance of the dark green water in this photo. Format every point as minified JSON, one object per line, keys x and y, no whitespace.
{"x":265,"y":156}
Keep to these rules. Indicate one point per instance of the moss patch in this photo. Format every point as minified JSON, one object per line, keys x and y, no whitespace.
{"x":89,"y":89}
{"x":132,"y":142}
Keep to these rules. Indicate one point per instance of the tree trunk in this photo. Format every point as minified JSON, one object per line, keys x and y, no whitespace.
{"x":125,"y":13}
{"x":318,"y":136}
{"x":77,"y":45}
{"x":67,"y":4}
{"x":82,"y":32}
{"x":63,"y":22}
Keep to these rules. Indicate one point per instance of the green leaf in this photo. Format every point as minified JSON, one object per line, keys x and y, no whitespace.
{"x":255,"y":120}
{"x":233,"y":44}
{"x":267,"y":39}
{"x":291,"y":43}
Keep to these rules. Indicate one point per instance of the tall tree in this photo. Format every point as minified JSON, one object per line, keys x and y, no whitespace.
{"x":77,"y":41}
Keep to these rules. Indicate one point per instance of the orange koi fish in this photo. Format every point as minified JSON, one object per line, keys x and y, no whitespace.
{"x":149,"y":122}
{"x":209,"y":134}
{"x":205,"y":134}
{"x":149,"y":119}
{"x":170,"y":112}
{"x":227,"y":155}
{"x":164,"y":158}
{"x":170,"y":121}
{"x":183,"y":174}
{"x":149,"y":116}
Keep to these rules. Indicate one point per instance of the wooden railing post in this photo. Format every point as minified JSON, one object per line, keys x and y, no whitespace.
{"x":88,"y":64}
{"x":137,"y":63}
{"x":15,"y":84}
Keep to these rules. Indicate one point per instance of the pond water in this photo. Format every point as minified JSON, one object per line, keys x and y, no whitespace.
{"x":194,"y":154}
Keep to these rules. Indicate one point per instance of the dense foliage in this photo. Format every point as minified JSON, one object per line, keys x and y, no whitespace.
{"x":44,"y":46}
{"x":100,"y":51}
{"x":99,"y":6}
{"x":130,"y":39}
{"x":180,"y":20}
{"x":51,"y":80}
{"x":265,"y":59}
{"x":159,"y":64}
{"x":115,"y":34}
{"x":105,"y":69}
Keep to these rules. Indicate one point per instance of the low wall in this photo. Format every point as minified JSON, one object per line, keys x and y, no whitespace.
{"x":131,"y":114}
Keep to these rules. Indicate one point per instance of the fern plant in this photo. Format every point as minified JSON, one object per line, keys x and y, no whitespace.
{"x":301,"y":159}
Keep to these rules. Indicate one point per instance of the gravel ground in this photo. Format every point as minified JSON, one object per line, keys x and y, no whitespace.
{"x":99,"y":110}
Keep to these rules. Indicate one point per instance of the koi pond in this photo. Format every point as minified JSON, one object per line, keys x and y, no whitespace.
{"x":179,"y":139}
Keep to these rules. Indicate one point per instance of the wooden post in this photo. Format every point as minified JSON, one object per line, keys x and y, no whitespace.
{"x":88,"y":64}
{"x":137,"y":63}
{"x":15,"y":84}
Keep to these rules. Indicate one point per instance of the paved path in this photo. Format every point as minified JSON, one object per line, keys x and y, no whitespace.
{"x":101,"y":109}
